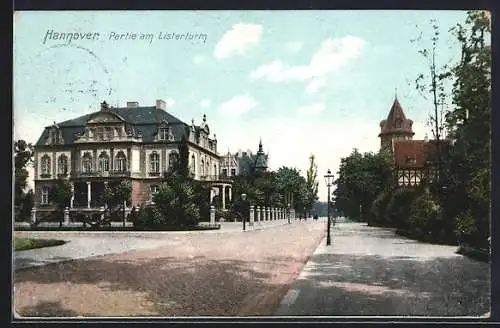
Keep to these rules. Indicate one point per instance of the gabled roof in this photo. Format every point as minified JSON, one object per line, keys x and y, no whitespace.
{"x":396,"y":114}
{"x":415,"y":153}
{"x":139,"y":121}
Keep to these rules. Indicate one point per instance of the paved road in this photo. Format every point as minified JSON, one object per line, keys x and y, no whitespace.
{"x":372,"y":271}
{"x":95,"y":243}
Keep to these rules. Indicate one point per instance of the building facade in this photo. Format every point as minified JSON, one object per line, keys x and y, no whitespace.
{"x":133,"y":143}
{"x":244,"y":162}
{"x":414,"y":160}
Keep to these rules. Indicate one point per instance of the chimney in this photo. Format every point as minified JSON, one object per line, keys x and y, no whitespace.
{"x":132,"y":104}
{"x":161,"y":104}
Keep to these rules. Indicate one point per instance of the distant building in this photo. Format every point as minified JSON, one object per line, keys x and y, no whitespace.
{"x":414,"y":160}
{"x":244,"y":163}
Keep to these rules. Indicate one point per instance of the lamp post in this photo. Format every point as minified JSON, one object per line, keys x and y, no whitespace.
{"x":329,"y":182}
{"x":243,"y":209}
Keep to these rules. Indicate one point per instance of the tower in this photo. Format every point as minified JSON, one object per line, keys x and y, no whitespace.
{"x":395,"y":127}
{"x":260,"y":159}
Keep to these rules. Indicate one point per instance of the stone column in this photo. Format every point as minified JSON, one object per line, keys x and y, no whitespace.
{"x":102,"y":213}
{"x":257,"y":210}
{"x":105,"y":186}
{"x":72,"y":200}
{"x":252,"y":215}
{"x":33,"y":215}
{"x":66,"y":216}
{"x":212,"y":215}
{"x":268,"y":214}
{"x":223,"y":196}
{"x":230,"y":191}
{"x":89,"y":194}
{"x":274,"y":214}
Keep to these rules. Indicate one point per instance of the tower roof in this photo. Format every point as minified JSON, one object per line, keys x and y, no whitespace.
{"x":396,"y":121}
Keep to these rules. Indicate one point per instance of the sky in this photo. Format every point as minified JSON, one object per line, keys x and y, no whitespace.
{"x":305,"y":82}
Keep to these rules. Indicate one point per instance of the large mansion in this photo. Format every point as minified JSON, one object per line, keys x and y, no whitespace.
{"x":413,"y":159}
{"x":244,"y":162}
{"x":133,"y":143}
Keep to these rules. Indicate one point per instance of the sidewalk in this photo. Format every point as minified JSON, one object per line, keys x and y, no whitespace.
{"x":371,"y":271}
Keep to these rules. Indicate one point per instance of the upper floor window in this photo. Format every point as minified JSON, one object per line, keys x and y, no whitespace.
{"x":233,"y":172}
{"x":193,"y":164}
{"x":224,"y":172}
{"x":100,"y":133}
{"x":62,"y":165}
{"x":104,"y":162}
{"x":109,"y":133}
{"x":45,"y":196}
{"x":87,"y":163}
{"x":120,"y":162}
{"x":202,"y":167}
{"x":46,"y":165}
{"x":172,"y":159}
{"x":154,"y":162}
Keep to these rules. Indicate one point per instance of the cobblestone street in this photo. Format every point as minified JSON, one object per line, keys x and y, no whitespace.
{"x":372,"y":271}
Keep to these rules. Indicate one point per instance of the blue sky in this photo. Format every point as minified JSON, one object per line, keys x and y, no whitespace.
{"x":304,"y":81}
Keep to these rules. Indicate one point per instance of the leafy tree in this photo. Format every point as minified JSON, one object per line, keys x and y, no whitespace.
{"x":469,"y":124}
{"x":23,"y":157}
{"x":60,"y":195}
{"x":311,"y":184}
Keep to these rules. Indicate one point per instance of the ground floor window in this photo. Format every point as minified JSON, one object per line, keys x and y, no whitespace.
{"x":45,"y":195}
{"x":153,"y":190}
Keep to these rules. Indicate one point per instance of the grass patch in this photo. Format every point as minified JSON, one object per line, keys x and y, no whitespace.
{"x":474,"y":253}
{"x":23,"y":244}
{"x":89,"y":228}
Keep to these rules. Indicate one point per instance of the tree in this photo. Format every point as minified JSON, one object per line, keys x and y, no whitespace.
{"x":60,"y":193}
{"x":288,"y":182}
{"x":311,"y":184}
{"x":469,"y":124}
{"x":23,"y":157}
{"x":435,"y":83}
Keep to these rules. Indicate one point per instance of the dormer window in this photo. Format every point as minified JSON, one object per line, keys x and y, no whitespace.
{"x":109,"y":133}
{"x":164,"y":133}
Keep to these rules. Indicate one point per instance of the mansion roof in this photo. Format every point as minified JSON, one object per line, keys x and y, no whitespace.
{"x":139,"y":122}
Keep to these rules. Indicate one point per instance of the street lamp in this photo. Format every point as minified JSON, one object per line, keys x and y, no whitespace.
{"x":243,"y":209}
{"x":329,"y":182}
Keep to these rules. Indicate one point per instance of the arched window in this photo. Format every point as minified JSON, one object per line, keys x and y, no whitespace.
{"x":104,"y":162}
{"x":154,"y":162}
{"x":87,"y":163}
{"x":193,"y":164}
{"x":215,"y":169}
{"x":202,"y":167}
{"x":46,"y":165}
{"x":120,"y":162}
{"x":207,"y":168}
{"x":62,"y":165}
{"x":172,"y":159}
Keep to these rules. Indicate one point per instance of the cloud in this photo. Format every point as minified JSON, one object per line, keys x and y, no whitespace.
{"x":198,"y":59}
{"x":294,"y":46}
{"x":238,"y":105}
{"x":333,"y":54}
{"x":205,"y":103}
{"x":312,"y":109}
{"x":238,"y":40}
{"x":315,"y":85}
{"x":290,"y":141}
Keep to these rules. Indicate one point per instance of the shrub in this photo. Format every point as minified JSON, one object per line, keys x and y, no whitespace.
{"x":425,"y":215}
{"x":379,"y":209}
{"x":398,"y":207}
{"x":148,"y":217}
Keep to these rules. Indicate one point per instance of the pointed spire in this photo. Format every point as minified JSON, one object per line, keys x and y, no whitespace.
{"x":204,"y":118}
{"x":396,"y":93}
{"x":260,"y":145}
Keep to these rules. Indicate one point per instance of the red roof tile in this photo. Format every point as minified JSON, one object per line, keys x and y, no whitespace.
{"x":414,"y":153}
